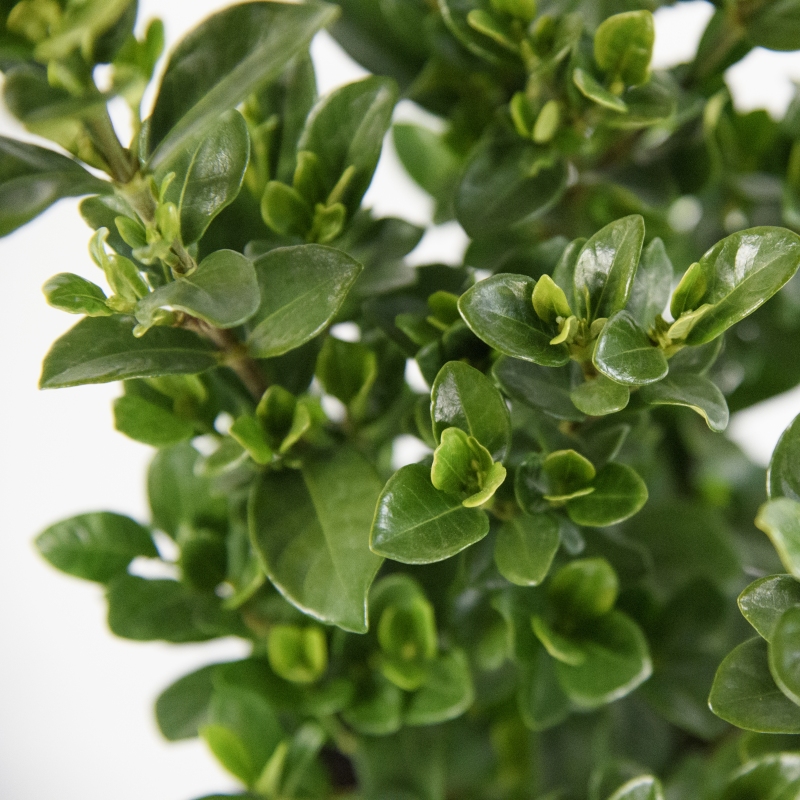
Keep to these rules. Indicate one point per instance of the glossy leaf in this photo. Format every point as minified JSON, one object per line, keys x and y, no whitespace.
{"x":525,"y":548}
{"x":302,"y":288}
{"x":415,"y":523}
{"x":600,"y":396}
{"x":221,"y":62}
{"x":76,"y":295}
{"x":645,"y":787}
{"x":780,"y":520}
{"x":783,"y":475}
{"x":625,"y":353}
{"x":740,"y":273}
{"x":652,"y":284}
{"x":744,"y":692}
{"x":593,"y":90}
{"x":499,"y":310}
{"x":618,"y":493}
{"x":208,"y":174}
{"x":149,"y":423}
{"x":463,"y":397}
{"x":606,"y":267}
{"x":103,"y":349}
{"x":297,"y":654}
{"x":764,"y":601}
{"x":623,"y":46}
{"x":95,"y":547}
{"x":544,"y":388}
{"x":311,"y":531}
{"x":776,"y":775}
{"x":784,"y":653}
{"x":693,"y":391}
{"x":446,"y":694}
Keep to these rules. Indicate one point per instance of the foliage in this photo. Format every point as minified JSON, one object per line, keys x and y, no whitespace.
{"x":543,"y":607}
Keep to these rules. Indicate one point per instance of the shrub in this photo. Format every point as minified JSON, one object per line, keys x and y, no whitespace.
{"x":544,"y":606}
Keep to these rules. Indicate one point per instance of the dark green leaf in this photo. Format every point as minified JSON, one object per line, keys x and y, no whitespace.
{"x":780,"y":520}
{"x":525,"y":548}
{"x":625,"y":353}
{"x":774,"y":25}
{"x":697,"y":360}
{"x":183,"y":708}
{"x":499,"y":310}
{"x":783,"y":475}
{"x":745,"y":694}
{"x":33,"y":178}
{"x":302,"y":288}
{"x":784,"y":653}
{"x":345,"y":131}
{"x":95,"y":547}
{"x":623,"y":46}
{"x":544,"y":388}
{"x":463,"y":397}
{"x":600,"y":396}
{"x":541,"y":700}
{"x":446,"y":694}
{"x":208,"y":173}
{"x":221,"y":62}
{"x":311,"y":530}
{"x":693,"y":391}
{"x":652,"y":284}
{"x":417,"y":524}
{"x":618,"y":493}
{"x":427,"y":158}
{"x":347,"y":370}
{"x":775,"y":776}
{"x":149,"y":423}
{"x":645,"y":787}
{"x":763,"y":602}
{"x":606,"y":267}
{"x":740,"y":273}
{"x":103,"y":349}
{"x":506,"y":182}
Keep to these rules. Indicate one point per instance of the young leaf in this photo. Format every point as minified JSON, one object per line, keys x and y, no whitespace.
{"x":302,"y":288}
{"x":585,"y":589}
{"x":783,"y":475}
{"x":525,"y":548}
{"x":744,"y":692}
{"x":208,"y":174}
{"x":345,"y":131}
{"x":606,"y":267}
{"x":652,"y":284}
{"x":549,"y":300}
{"x":623,"y":46}
{"x":566,"y":471}
{"x":463,"y":397}
{"x":784,"y":653}
{"x":95,"y":547}
{"x":298,"y":654}
{"x":149,"y":423}
{"x":415,"y":523}
{"x":499,"y":310}
{"x":250,"y":434}
{"x":222,"y":291}
{"x":763,"y":602}
{"x":645,"y":787}
{"x":311,"y":531}
{"x":780,"y":520}
{"x":693,"y":391}
{"x":76,"y":295}
{"x":221,"y":62}
{"x":103,"y":349}
{"x":625,"y":353}
{"x":618,"y":493}
{"x":33,"y":178}
{"x":600,"y":396}
{"x":593,"y":90}
{"x":454,"y":462}
{"x":739,"y":274}
{"x":446,"y":694}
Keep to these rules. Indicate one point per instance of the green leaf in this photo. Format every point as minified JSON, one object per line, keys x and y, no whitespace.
{"x":463,"y":397}
{"x":764,"y":600}
{"x":302,"y":288}
{"x":103,"y":349}
{"x":221,"y":62}
{"x":623,"y":46}
{"x":549,"y":300}
{"x":584,"y":589}
{"x":783,"y":475}
{"x":774,"y":776}
{"x":784,"y":653}
{"x":566,"y":472}
{"x":525,"y":548}
{"x":541,"y":701}
{"x":652,"y":284}
{"x":345,"y":131}
{"x":693,"y":391}
{"x":744,"y":692}
{"x":209,"y":171}
{"x":415,"y":523}
{"x":222,"y":291}
{"x":774,"y":25}
{"x":600,"y":396}
{"x":183,"y":707}
{"x":446,"y":694}
{"x":697,"y":360}
{"x":76,"y":295}
{"x":593,"y":90}
{"x":149,"y":423}
{"x":457,"y":462}
{"x":625,"y":353}
{"x":618,"y":493}
{"x":645,"y":787}
{"x":616,"y":661}
{"x":544,"y":388}
{"x":780,"y":520}
{"x":250,"y":434}
{"x":297,"y":654}
{"x":311,"y":531}
{"x":738,"y":275}
{"x":499,"y":310}
{"x":95,"y":547}
{"x":347,"y":370}
{"x":506,"y":182}
{"x":377,"y":710}
{"x":606,"y":267}
{"x":427,"y":158}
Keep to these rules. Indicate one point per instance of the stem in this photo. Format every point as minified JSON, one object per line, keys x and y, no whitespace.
{"x":236,"y":355}
{"x":120,"y":162}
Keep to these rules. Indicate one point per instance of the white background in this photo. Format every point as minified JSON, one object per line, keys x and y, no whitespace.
{"x":76,"y":717}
